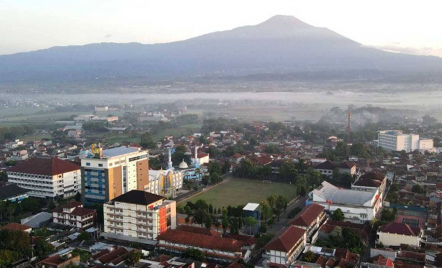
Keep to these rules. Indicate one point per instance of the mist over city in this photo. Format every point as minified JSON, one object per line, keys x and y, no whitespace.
{"x":196,"y":134}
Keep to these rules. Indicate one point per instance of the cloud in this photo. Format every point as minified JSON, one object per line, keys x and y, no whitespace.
{"x":108,"y":36}
{"x":427,"y":51}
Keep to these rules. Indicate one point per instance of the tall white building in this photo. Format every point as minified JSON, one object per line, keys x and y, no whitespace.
{"x":138,"y":215}
{"x":396,"y":140}
{"x":47,"y":177}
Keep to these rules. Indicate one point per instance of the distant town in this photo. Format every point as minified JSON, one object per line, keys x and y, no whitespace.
{"x":115,"y":187}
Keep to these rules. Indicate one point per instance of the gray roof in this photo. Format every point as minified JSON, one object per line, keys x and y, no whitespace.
{"x":343,"y":196}
{"x":119,"y":151}
{"x":35,"y":221}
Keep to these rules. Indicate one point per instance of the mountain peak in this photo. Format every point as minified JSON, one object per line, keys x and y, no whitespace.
{"x":284,"y":21}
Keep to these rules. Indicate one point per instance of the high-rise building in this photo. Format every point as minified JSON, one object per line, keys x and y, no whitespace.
{"x":47,"y":177}
{"x":138,"y":215}
{"x":396,"y":140}
{"x":110,"y":173}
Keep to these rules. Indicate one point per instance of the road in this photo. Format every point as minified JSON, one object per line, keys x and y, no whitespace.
{"x":283,"y":221}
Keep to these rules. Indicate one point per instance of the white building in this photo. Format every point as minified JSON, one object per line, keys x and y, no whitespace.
{"x":397,"y":233}
{"x":47,"y":177}
{"x":101,"y":108}
{"x":165,"y":182}
{"x":73,"y":214}
{"x":138,"y":215}
{"x":357,"y":206}
{"x":396,"y":140}
{"x":14,"y":144}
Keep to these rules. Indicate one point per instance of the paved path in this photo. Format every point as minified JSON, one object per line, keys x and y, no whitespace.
{"x":283,"y":221}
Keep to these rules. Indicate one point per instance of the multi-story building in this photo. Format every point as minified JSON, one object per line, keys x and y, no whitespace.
{"x":138,"y":216}
{"x":285,"y":247}
{"x":73,"y":214}
{"x":47,"y":177}
{"x":396,"y":140}
{"x":372,"y":182}
{"x":110,"y":173}
{"x":310,"y":218}
{"x":357,"y":206}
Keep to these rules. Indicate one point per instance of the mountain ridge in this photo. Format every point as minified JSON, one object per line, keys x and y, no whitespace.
{"x":280,"y":44}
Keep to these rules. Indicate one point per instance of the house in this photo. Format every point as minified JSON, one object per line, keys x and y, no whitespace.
{"x":16,"y":226}
{"x":11,"y":192}
{"x":325,"y":168}
{"x":73,"y":214}
{"x":310,"y":219}
{"x":347,"y":167}
{"x":212,"y":244}
{"x":57,"y":261}
{"x":371,"y":181}
{"x":396,"y":234}
{"x":285,"y":247}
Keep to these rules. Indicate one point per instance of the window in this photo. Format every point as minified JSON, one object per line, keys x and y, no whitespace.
{"x":88,"y":164}
{"x":100,"y":165}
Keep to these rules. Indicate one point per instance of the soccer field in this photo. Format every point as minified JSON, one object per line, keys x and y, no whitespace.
{"x":240,"y":192}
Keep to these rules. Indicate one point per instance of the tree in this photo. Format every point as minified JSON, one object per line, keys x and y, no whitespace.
{"x":51,"y":205}
{"x":294,"y":212}
{"x":266,"y":210}
{"x":133,"y":258}
{"x":417,"y":189}
{"x":78,"y":197}
{"x":200,"y":216}
{"x":337,"y":215}
{"x":30,"y":204}
{"x":308,"y":256}
{"x":263,"y":228}
{"x":225,"y":223}
{"x":42,"y":248}
{"x":302,"y":190}
{"x":194,"y":254}
{"x":215,"y":178}
{"x":280,"y":205}
{"x":251,"y":222}
{"x":178,"y":155}
{"x":208,"y":222}
{"x":7,"y":257}
{"x":147,"y":141}
{"x":263,"y":240}
{"x":83,"y":236}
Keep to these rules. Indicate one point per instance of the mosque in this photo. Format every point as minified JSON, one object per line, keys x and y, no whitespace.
{"x":194,"y":172}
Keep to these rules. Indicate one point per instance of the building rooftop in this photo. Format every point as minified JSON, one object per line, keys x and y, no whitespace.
{"x":307,"y":215}
{"x":10,"y":190}
{"x":329,"y":192}
{"x":285,"y":239}
{"x":119,"y":151}
{"x":45,"y":166}
{"x":138,"y":197}
{"x":251,"y":207}
{"x":400,"y":228}
{"x":15,"y":226}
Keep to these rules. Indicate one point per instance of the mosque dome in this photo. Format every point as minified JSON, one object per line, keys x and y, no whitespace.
{"x":183,"y":165}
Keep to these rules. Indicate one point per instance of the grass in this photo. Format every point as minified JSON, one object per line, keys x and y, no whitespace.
{"x":36,"y":137}
{"x":179,"y":131}
{"x":240,"y":192}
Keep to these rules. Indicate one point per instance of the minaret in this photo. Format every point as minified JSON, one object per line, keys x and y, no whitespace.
{"x":195,"y":159}
{"x":169,"y":164}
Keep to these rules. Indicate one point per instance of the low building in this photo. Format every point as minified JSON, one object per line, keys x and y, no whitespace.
{"x":253,"y":210}
{"x":372,"y":182}
{"x":12,"y":192}
{"x":396,"y":234}
{"x":357,"y":206}
{"x":17,"y":227}
{"x":325,"y":168}
{"x":285,"y":247}
{"x":138,"y":216}
{"x":211,"y":243}
{"x":73,"y":214}
{"x":310,"y":219}
{"x":57,"y":261}
{"x":47,"y":177}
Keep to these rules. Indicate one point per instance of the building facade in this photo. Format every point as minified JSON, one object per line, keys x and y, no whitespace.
{"x":47,"y":177}
{"x":310,"y":218}
{"x":138,"y":215}
{"x":285,"y":247}
{"x":396,"y":234}
{"x":396,"y":140}
{"x":73,"y":214}
{"x":110,"y":173}
{"x":164,"y":182}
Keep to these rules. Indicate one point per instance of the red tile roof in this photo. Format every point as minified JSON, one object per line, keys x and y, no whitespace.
{"x":114,"y":254}
{"x":400,"y":228}
{"x":70,"y":204}
{"x":15,"y":226}
{"x":100,"y":254}
{"x":286,"y":239}
{"x":45,"y":166}
{"x":201,"y":241}
{"x":307,"y":215}
{"x":79,"y":211}
{"x":198,"y":230}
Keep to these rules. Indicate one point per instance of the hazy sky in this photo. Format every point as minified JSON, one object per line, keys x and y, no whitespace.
{"x":411,"y":25}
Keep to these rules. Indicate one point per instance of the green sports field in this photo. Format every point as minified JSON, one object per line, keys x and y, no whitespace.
{"x":240,"y":192}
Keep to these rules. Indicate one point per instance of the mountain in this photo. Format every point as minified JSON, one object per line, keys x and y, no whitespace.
{"x":282,"y":44}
